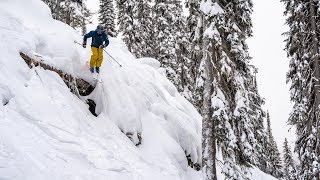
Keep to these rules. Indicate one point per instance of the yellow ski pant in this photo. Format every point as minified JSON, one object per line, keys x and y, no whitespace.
{"x":96,"y":57}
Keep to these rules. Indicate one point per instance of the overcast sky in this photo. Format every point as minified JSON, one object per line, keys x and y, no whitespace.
{"x":266,"y":48}
{"x":93,"y":5}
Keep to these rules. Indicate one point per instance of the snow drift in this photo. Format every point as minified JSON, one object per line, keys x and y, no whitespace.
{"x":46,"y":132}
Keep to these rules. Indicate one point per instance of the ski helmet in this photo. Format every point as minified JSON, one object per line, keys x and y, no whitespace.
{"x":100,"y":27}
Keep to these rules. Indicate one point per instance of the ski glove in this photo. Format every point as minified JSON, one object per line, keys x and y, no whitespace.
{"x":102,"y":46}
{"x":84,"y":45}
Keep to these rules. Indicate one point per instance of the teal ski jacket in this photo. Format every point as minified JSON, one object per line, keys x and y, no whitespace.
{"x":97,"y":39}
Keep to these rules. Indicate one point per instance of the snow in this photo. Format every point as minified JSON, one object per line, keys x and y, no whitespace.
{"x":257,"y":174}
{"x":46,"y":132}
{"x":150,"y":62}
{"x":213,"y":33}
{"x":253,"y":173}
{"x":210,"y":8}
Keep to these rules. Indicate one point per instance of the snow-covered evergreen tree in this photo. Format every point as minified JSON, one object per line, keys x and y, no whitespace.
{"x":137,"y":27}
{"x":289,"y":168}
{"x":54,"y":6}
{"x":182,"y":50}
{"x":72,"y":12}
{"x":304,"y":76}
{"x":274,"y":165}
{"x":158,"y":32}
{"x":107,"y":17}
{"x":165,"y":50}
{"x":84,"y":26}
{"x":261,"y":159}
{"x":145,"y":40}
{"x":126,"y":22}
{"x":195,"y":34}
{"x":193,"y":20}
{"x":231,"y":103}
{"x":194,"y":31}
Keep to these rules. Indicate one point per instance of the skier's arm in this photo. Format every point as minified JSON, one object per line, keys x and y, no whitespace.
{"x":85,"y":37}
{"x":106,"y":40}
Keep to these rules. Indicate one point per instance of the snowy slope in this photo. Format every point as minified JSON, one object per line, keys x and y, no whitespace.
{"x":46,"y":132}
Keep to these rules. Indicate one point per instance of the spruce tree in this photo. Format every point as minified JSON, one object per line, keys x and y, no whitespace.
{"x":165,"y":38}
{"x":274,"y":165}
{"x":302,"y":46}
{"x":231,"y":103}
{"x":194,"y":31}
{"x":182,"y":51}
{"x":137,"y":26}
{"x":289,"y":168}
{"x":158,"y":32}
{"x":193,"y":20}
{"x":72,"y":12}
{"x":260,"y":159}
{"x":145,"y":40}
{"x":107,"y":17}
{"x":54,"y":6}
{"x":195,"y":36}
{"x":126,"y":22}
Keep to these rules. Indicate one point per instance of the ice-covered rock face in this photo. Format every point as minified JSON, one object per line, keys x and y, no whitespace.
{"x":47,"y":132}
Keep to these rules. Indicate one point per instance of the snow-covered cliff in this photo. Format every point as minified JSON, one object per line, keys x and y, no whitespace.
{"x":47,"y":132}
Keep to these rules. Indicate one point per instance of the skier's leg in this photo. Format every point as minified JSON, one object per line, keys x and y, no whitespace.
{"x":100,"y":57}
{"x":94,"y":57}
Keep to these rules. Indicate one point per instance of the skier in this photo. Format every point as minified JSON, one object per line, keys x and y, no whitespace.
{"x":99,"y":41}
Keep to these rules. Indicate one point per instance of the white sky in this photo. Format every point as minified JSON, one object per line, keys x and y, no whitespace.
{"x":266,"y":48}
{"x":93,"y":5}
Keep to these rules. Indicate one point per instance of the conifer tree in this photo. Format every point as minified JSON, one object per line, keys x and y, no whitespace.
{"x":158,"y":32}
{"x":126,"y":22}
{"x":182,"y":52}
{"x":172,"y":48}
{"x":107,"y":17}
{"x":195,"y":36}
{"x":72,"y":12}
{"x":54,"y":6}
{"x":194,"y":33}
{"x":289,"y":168}
{"x":302,"y":46}
{"x":231,"y":104}
{"x":145,"y":40}
{"x":260,"y":159}
{"x":193,"y":20}
{"x":165,"y":38}
{"x":274,"y":166}
{"x":83,"y":27}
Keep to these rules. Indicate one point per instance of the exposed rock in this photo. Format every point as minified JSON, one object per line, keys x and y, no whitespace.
{"x":77,"y":85}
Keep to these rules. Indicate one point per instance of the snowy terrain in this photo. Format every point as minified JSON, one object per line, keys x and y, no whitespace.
{"x":46,"y":132}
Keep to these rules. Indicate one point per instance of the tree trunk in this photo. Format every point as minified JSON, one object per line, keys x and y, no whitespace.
{"x":208,"y":129}
{"x":57,"y":10}
{"x":83,"y":26}
{"x":316,"y":75}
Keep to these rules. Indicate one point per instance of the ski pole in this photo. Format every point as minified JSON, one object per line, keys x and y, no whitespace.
{"x":77,"y":43}
{"x":106,"y":52}
{"x":113,"y":58}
